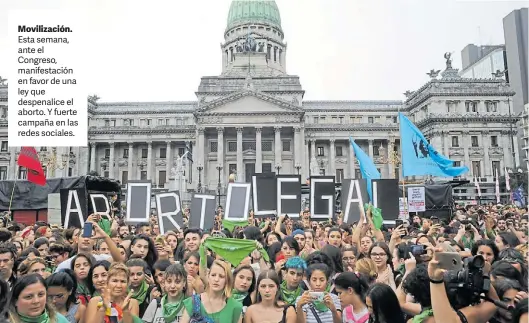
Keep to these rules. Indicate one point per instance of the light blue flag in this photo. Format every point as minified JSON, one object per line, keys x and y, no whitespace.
{"x":419,"y":157}
{"x":367,"y":167}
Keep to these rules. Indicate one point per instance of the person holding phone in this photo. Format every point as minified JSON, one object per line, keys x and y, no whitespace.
{"x":316,"y":305}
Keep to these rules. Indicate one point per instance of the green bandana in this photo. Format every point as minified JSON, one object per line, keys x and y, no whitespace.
{"x":105,"y":225}
{"x":376,"y":214}
{"x":401,"y":269}
{"x":140,"y":293}
{"x":423,"y":315}
{"x":289,"y":296}
{"x":230,"y":225}
{"x":231,"y":250}
{"x":320,"y":307}
{"x":82,"y":289}
{"x":171,"y":310}
{"x":238,"y":296}
{"x":43,"y":318}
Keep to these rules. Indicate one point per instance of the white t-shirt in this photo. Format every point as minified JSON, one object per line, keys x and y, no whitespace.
{"x":154,"y":314}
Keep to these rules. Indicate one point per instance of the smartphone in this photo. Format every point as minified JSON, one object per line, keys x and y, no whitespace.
{"x":449,"y":260}
{"x":316,"y":296}
{"x":417,"y":250}
{"x":398,"y":222}
{"x":435,"y":220}
{"x":87,"y":230}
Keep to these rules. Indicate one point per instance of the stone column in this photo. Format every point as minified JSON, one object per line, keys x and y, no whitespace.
{"x":332,"y":153}
{"x":466,"y":145}
{"x":111,"y":162}
{"x":306,"y":161}
{"x":193,"y":166}
{"x":446,"y":143}
{"x":12,"y":163}
{"x":258,"y":150}
{"x":391,"y":167}
{"x":487,"y":167}
{"x":302,"y":153}
{"x":93,"y":147}
{"x":200,"y":143}
{"x":130,"y":169}
{"x":239,"y":155}
{"x":370,"y":148}
{"x":352,"y":161}
{"x":277,"y":146}
{"x":313,"y":165}
{"x":220,"y":152}
{"x":297,"y":147}
{"x":515,"y":161}
{"x":149,"y":163}
{"x":168,"y":162}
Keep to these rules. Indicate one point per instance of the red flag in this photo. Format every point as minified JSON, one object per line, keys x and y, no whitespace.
{"x":29,"y":159}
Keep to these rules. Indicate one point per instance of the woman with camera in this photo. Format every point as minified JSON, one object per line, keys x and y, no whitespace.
{"x":443,"y":312}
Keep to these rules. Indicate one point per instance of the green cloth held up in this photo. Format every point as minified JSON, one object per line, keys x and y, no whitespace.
{"x":376,"y":214}
{"x":231,"y":250}
{"x":105,"y":225}
{"x":230,"y":225}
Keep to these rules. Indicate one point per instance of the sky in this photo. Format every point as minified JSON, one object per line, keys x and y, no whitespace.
{"x":341,"y":49}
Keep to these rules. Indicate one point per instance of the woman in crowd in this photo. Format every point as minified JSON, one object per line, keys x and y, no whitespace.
{"x":267,"y":307}
{"x":351,"y":289}
{"x":383,"y":305}
{"x":62,"y":287}
{"x":171,"y":306}
{"x":244,"y":285}
{"x":143,"y":247}
{"x":98,"y":277}
{"x":81,"y":265}
{"x":29,"y":302}
{"x":349,"y":255}
{"x":114,"y":303}
{"x":316,"y":304}
{"x":33,"y":266}
{"x":379,"y":253}
{"x":215,"y":304}
{"x":192,"y":266}
{"x":291,"y":286}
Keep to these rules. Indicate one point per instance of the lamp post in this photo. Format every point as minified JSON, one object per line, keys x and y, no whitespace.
{"x":278,"y":167}
{"x":322,"y":168}
{"x":199,"y":186}
{"x":52,"y":161}
{"x":298,"y":167}
{"x":219,"y":169}
{"x":388,"y":157}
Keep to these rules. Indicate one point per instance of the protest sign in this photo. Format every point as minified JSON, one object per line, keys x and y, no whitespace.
{"x":416,"y":199}
{"x":202,"y":211}
{"x":138,"y":201}
{"x":237,"y":201}
{"x":264,"y":194}
{"x":322,"y":198}
{"x":169,"y":209}
{"x":288,"y":195}
{"x":73,"y":207}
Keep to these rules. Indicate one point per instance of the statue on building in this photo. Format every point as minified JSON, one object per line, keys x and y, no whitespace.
{"x":433,"y":73}
{"x":448,"y":60}
{"x":2,"y":81}
{"x":239,"y":47}
{"x":261,"y":47}
{"x":250,"y":45}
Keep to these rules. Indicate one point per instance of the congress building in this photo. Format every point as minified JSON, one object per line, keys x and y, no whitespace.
{"x":253,"y":118}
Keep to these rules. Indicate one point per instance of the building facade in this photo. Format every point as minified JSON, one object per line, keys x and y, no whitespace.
{"x":252,"y":118}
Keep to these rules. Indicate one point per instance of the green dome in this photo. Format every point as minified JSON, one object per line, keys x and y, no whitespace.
{"x":253,"y":11}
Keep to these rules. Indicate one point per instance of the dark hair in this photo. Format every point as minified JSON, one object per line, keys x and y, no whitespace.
{"x":64,"y":278}
{"x":319,"y":267}
{"x":137,"y":262}
{"x":177,"y":270}
{"x":429,"y":238}
{"x":5,"y":235}
{"x":386,"y":307}
{"x":152,"y":254}
{"x":519,"y":309}
{"x":188,"y":255}
{"x":509,"y":238}
{"x":89,"y":281}
{"x":142,"y":225}
{"x":253,"y":233}
{"x":29,"y":250}
{"x":334,"y":229}
{"x":384,"y":247}
{"x":89,"y":257}
{"x":193,"y":230}
{"x":238,"y":270}
{"x":161,"y":265}
{"x":355,"y":281}
{"x":292,"y":243}
{"x":41,"y":241}
{"x":503,"y":285}
{"x":19,"y":286}
{"x":318,"y":257}
{"x":489,"y":243}
{"x":417,"y":284}
{"x":8,"y":247}
{"x":336,"y":257}
{"x":269,"y":274}
{"x":4,"y":297}
{"x":273,"y":250}
{"x":502,"y":268}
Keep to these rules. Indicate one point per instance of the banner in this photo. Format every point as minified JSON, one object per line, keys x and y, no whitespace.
{"x":416,"y":199}
{"x":288,"y":195}
{"x":237,"y":201}
{"x":203,"y":209}
{"x":264,"y":194}
{"x":169,"y":209}
{"x":99,"y":204}
{"x":322,"y":197}
{"x":74,"y":210}
{"x":354,"y":196}
{"x":138,"y":201}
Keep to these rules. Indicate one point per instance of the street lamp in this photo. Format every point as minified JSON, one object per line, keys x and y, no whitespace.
{"x":278,"y":167}
{"x":53,"y":161}
{"x":298,"y":167}
{"x":389,"y":157}
{"x":199,"y":186}
{"x":219,"y":169}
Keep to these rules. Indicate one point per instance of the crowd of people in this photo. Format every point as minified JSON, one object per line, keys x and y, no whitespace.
{"x":270,"y":270}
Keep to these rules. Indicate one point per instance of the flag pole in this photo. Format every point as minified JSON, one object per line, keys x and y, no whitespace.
{"x":401,"y":165}
{"x":13,"y":190}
